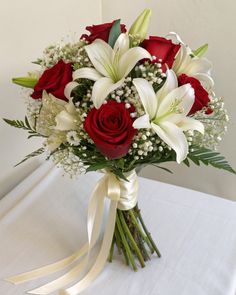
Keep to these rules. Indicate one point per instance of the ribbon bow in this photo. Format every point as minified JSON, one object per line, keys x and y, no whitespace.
{"x":122,"y":195}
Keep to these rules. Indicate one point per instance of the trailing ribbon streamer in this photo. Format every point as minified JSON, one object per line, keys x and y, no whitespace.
{"x":122,"y":195}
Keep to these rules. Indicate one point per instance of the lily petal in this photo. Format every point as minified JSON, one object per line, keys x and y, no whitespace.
{"x":68,"y":89}
{"x":184,"y":94}
{"x":182,"y":60}
{"x":86,"y":73}
{"x":54,"y":141}
{"x":174,"y":137}
{"x":174,"y":37}
{"x":121,"y":45}
{"x":102,"y":88}
{"x":206,"y":80}
{"x":51,"y":106}
{"x":198,"y":65}
{"x":100,"y":53}
{"x":147,"y":96}
{"x":191,"y":124}
{"x":187,"y":100}
{"x":70,"y":107}
{"x":142,"y":122}
{"x":170,"y":84}
{"x":65,"y":121}
{"x":130,"y":58}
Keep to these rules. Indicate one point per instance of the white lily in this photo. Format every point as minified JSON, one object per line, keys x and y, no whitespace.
{"x":166,"y":112}
{"x":68,"y":118}
{"x":198,"y":67}
{"x":111,"y":66}
{"x":51,"y":107}
{"x":55,"y":118}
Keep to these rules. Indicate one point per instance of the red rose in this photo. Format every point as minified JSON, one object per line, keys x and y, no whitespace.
{"x":111,"y":128}
{"x":162,"y":49}
{"x":54,"y":81}
{"x":100,"y":32}
{"x":201,"y":95}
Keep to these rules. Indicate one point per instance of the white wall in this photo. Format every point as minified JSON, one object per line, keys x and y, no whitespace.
{"x":27,"y":27}
{"x":197,"y":22}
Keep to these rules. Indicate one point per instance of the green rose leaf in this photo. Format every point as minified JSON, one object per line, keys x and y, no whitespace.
{"x":114,"y":33}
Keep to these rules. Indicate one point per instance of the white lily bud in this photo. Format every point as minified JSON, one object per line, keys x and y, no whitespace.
{"x":141,"y":25}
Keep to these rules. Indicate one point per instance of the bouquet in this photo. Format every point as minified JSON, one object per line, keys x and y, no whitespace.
{"x":116,"y":101}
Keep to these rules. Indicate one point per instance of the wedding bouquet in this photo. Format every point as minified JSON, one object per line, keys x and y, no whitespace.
{"x":116,"y":101}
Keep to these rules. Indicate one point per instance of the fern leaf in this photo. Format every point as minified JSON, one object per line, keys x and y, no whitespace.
{"x":16,"y":123}
{"x":208,"y":157}
{"x":25,"y":125}
{"x":31,"y":155}
{"x":163,"y":168}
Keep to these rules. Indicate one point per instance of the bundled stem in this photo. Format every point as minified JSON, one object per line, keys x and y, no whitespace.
{"x":132,"y":238}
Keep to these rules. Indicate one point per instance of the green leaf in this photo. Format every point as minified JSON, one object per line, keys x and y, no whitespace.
{"x":33,"y":154}
{"x":121,"y":163}
{"x":186,"y":162}
{"x":201,"y":50}
{"x":114,"y":33}
{"x":28,"y":82}
{"x":208,"y":157}
{"x":163,"y":168}
{"x":23,"y":125}
{"x":97,"y":166}
{"x":16,"y":123}
{"x":27,"y":123}
{"x":119,"y":174}
{"x":20,"y":124}
{"x":37,"y":62}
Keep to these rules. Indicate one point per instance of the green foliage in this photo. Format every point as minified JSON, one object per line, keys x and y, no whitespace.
{"x":28,"y":82}
{"x":201,"y":50}
{"x":208,"y":157}
{"x":33,"y":154}
{"x":81,"y":90}
{"x":37,"y":62}
{"x":25,"y":125}
{"x":114,"y":33}
{"x":163,"y":168}
{"x":94,"y":160}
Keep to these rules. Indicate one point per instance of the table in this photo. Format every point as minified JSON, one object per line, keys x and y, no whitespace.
{"x":43,"y":219}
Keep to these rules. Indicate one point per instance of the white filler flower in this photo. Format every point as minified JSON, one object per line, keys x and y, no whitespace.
{"x":166,"y":112}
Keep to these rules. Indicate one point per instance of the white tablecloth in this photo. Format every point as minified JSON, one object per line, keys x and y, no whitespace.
{"x":44,"y":219}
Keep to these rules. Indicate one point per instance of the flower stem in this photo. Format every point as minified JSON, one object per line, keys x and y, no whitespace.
{"x":118,"y":240}
{"x":147,"y":232}
{"x":120,"y":247}
{"x":125,"y":243}
{"x":135,"y":221}
{"x":132,"y":238}
{"x":111,"y":250}
{"x":132,"y":241}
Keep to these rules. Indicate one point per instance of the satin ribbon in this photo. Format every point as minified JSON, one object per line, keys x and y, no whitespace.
{"x":122,"y":195}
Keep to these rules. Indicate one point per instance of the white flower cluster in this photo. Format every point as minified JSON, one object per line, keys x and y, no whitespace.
{"x":69,"y":52}
{"x":33,"y":106}
{"x":215,"y":124}
{"x":146,"y":143}
{"x":66,"y":159}
{"x":151,"y":72}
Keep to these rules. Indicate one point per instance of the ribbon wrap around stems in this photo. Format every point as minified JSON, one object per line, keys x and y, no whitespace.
{"x":122,"y":195}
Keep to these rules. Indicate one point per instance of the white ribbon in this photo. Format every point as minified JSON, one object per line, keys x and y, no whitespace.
{"x":122,"y":195}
